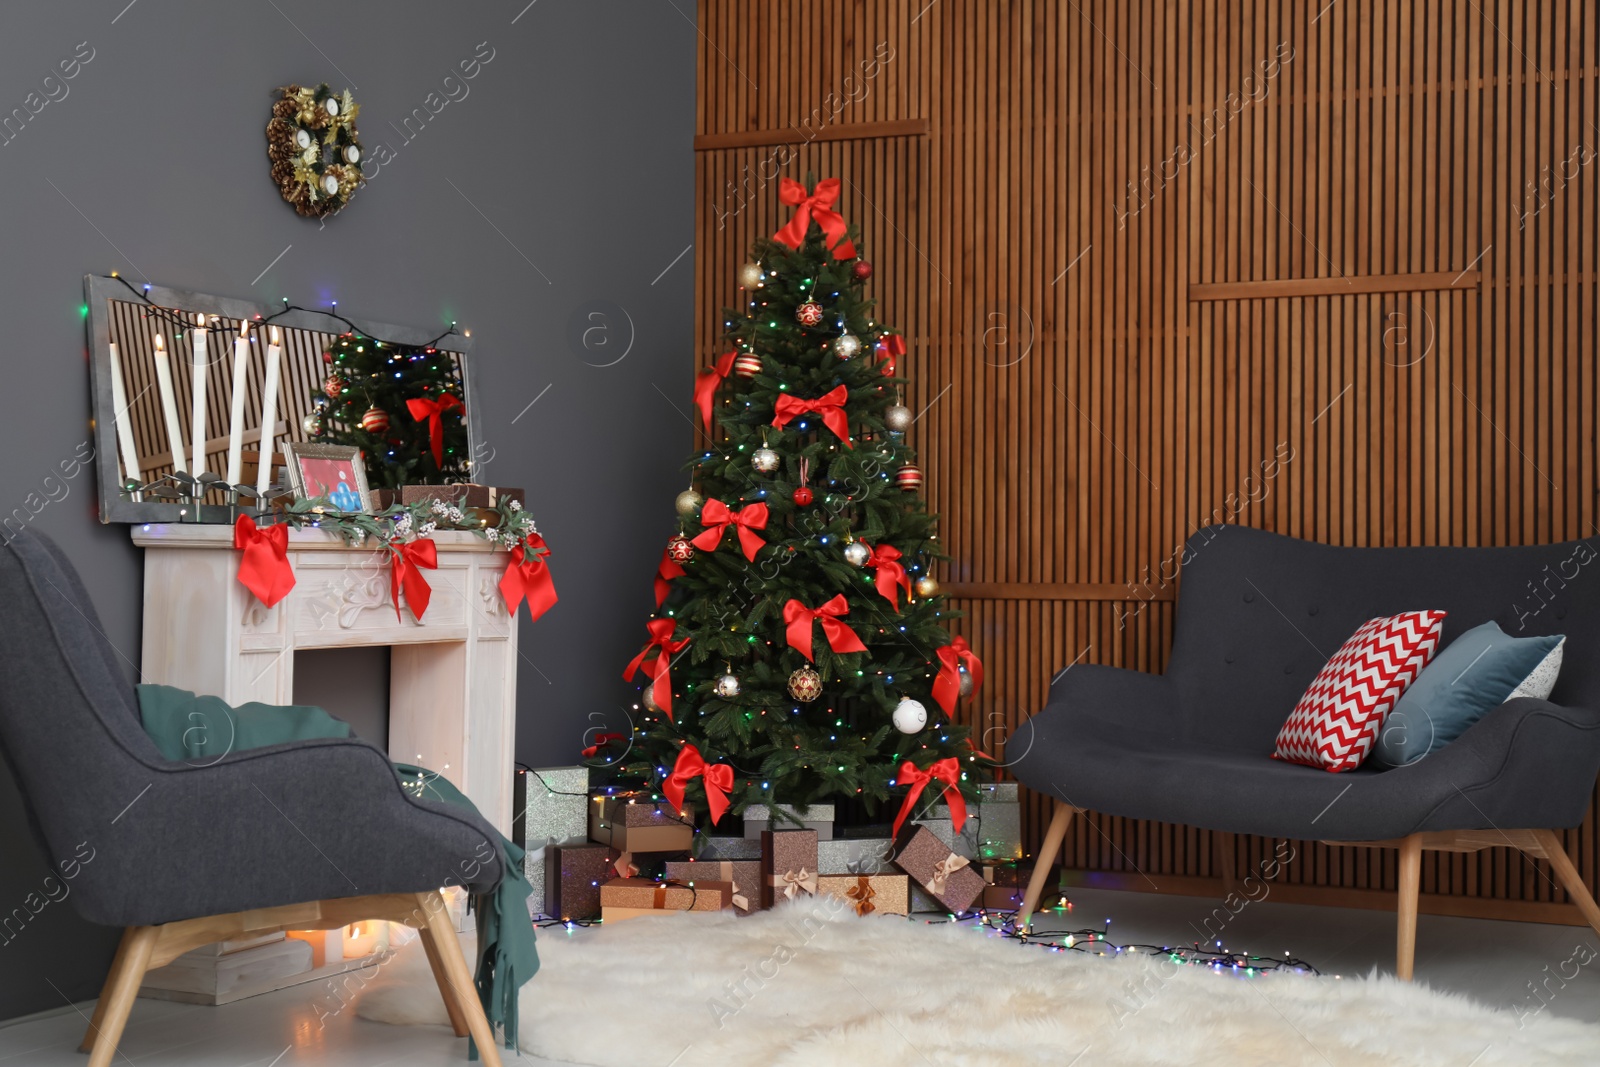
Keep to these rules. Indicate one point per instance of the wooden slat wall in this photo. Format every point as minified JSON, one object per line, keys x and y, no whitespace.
{"x":1129,"y":301}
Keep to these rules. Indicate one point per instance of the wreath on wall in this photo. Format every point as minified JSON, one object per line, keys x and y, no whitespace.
{"x":314,"y":148}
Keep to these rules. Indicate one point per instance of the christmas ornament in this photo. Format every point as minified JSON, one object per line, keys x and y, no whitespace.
{"x":327,"y":357}
{"x":764,"y":460}
{"x":727,"y":687}
{"x":965,"y":685}
{"x":375,"y":420}
{"x":748,"y":365}
{"x":805,"y":685}
{"x":803,"y":496}
{"x":680,"y":549}
{"x":898,"y":418}
{"x":688,"y":503}
{"x":647,"y":697}
{"x":809,"y":313}
{"x":312,"y":424}
{"x":927,"y":587}
{"x":333,"y":385}
{"x":909,"y":478}
{"x":846,"y":345}
{"x":861,"y":270}
{"x":910,"y":716}
{"x":750,"y":276}
{"x":856,"y":554}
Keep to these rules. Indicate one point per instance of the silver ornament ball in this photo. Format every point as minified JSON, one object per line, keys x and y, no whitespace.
{"x":846,"y":345}
{"x":966,"y":681}
{"x":856,"y":554}
{"x":910,"y":716}
{"x":898,"y":418}
{"x":764,"y":460}
{"x":727,"y":687}
{"x":312,"y":424}
{"x":688,"y":503}
{"x":648,"y":698}
{"x":750,"y":276}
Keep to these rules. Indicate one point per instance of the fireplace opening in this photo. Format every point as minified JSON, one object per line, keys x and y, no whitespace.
{"x":349,"y":683}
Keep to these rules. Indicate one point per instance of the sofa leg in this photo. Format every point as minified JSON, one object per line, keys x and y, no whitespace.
{"x":1041,"y":863}
{"x":1406,"y":921}
{"x":1567,"y":874}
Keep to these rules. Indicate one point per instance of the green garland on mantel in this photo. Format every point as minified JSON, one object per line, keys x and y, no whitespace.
{"x":506,"y":525}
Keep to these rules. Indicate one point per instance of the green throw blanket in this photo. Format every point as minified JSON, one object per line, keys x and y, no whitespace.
{"x":200,"y":728}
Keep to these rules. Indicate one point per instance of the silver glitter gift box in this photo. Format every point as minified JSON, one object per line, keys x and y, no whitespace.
{"x":551,"y":805}
{"x":999,"y":829}
{"x":818,"y":817}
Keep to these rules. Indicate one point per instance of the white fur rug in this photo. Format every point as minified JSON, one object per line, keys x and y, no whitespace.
{"x":810,"y":984}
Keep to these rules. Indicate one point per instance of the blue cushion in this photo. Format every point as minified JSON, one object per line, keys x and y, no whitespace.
{"x":1475,"y":673}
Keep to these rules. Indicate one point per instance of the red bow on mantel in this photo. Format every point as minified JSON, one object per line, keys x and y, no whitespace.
{"x":666,"y":570}
{"x":885,"y":560}
{"x":433,"y":410}
{"x":691,"y":765}
{"x":829,"y":406}
{"x":840,"y":637}
{"x":705,"y":386}
{"x":947,"y":771}
{"x":528,"y":578}
{"x":947,"y":686}
{"x":890,"y":347}
{"x":818,"y":207}
{"x":405,"y":559}
{"x":658,"y":666}
{"x":265,"y":569}
{"x":717,"y":517}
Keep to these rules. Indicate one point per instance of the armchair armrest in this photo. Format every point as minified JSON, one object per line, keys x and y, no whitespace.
{"x":1115,"y":696}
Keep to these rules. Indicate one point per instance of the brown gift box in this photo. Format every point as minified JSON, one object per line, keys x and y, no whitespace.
{"x":1007,"y":873}
{"x":626,"y":898}
{"x":632,"y":824}
{"x":788,"y":864}
{"x":1002,"y":897}
{"x":869,"y":894}
{"x":943,"y":873}
{"x":742,"y":876}
{"x":572,"y":878}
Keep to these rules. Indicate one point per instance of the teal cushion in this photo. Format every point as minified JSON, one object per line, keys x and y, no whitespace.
{"x":1475,"y":673}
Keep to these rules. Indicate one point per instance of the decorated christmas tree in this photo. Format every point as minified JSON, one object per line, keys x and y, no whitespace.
{"x":798,"y":653}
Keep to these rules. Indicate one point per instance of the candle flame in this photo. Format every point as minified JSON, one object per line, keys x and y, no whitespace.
{"x":200,"y":320}
{"x":160,"y":344}
{"x":244,"y":329}
{"x":274,"y":335}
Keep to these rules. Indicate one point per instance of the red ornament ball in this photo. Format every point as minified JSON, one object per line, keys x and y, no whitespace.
{"x":333,"y":386}
{"x":805,"y":685}
{"x":804,"y":496}
{"x":861,"y":270}
{"x":809,"y":313}
{"x":327,"y":357}
{"x":909,"y":478}
{"x":747,"y":365}
{"x":375,"y":420}
{"x":680,"y":549}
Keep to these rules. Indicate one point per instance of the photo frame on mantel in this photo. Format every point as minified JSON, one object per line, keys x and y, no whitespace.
{"x":133,"y":419}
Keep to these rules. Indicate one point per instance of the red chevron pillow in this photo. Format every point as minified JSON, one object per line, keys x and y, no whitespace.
{"x":1338,"y":720}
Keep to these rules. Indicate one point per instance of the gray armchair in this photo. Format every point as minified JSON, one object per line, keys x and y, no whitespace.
{"x":312,"y":835}
{"x":1258,"y":616}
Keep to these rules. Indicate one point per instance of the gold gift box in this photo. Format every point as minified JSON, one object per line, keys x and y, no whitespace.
{"x":628,"y":898}
{"x":869,"y":894}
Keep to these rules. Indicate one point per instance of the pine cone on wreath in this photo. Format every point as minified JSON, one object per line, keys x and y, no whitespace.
{"x":285,"y":109}
{"x":282,"y":171}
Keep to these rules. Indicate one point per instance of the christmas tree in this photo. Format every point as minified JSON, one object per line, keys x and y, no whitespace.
{"x":400,"y":405}
{"x":798,"y":652}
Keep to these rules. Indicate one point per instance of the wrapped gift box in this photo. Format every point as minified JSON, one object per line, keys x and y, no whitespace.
{"x":819,"y":817}
{"x":937,"y":821}
{"x":629,"y":898}
{"x":573,"y":875}
{"x":551,"y":808}
{"x":788,"y":865}
{"x":945,"y":874}
{"x":1002,"y":897}
{"x":743,"y":877}
{"x":633,"y":823}
{"x":846,"y":855}
{"x":999,"y":824}
{"x":729,"y":848}
{"x":869,"y":894}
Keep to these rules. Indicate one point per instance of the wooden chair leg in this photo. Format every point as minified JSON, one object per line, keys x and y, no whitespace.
{"x":1406,"y":924}
{"x":457,"y":976}
{"x":458,"y":1018}
{"x":1571,"y":880}
{"x":1224,"y":847}
{"x":1057,"y":830}
{"x":116,"y":998}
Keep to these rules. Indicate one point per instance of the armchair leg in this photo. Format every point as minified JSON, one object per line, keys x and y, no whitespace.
{"x":457,"y":976}
{"x":1561,"y":865}
{"x":116,"y":998}
{"x":458,"y":1018}
{"x":1410,"y":887}
{"x":1057,"y":830}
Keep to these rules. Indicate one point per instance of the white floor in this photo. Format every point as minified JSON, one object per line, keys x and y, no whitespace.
{"x":1497,"y":963}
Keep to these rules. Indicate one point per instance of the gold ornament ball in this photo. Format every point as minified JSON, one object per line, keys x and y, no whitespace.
{"x":750,"y":276}
{"x":926,"y":586}
{"x":805,"y":685}
{"x":688,"y":503}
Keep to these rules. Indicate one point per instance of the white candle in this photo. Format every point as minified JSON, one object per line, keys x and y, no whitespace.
{"x":119,"y":417}
{"x":269,"y":412}
{"x":169,"y":406}
{"x":197,"y":409}
{"x":241,"y":366}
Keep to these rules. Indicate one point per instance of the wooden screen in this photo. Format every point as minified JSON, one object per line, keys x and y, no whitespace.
{"x":1324,"y":268}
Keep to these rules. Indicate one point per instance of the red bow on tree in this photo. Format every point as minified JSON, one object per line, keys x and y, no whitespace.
{"x":659,"y":665}
{"x":718,"y":780}
{"x":890,"y":347}
{"x":404,"y":561}
{"x":717,"y":517}
{"x":433,"y":410}
{"x":947,"y":686}
{"x":265,"y":569}
{"x":947,"y":771}
{"x":840,"y":637}
{"x":705,"y":386}
{"x":666,"y":570}
{"x":601,"y":741}
{"x":830,"y":406}
{"x":818,"y":207}
{"x":528,"y":577}
{"x":885,"y":558}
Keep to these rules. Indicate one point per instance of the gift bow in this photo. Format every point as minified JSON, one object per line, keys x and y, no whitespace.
{"x":264,"y":569}
{"x":666,"y":570}
{"x":718,"y":779}
{"x":725,"y":874}
{"x":947,"y":771}
{"x":717,"y":517}
{"x":840,"y":637}
{"x":433,"y":410}
{"x":818,"y":207}
{"x":947,"y":686}
{"x":862,"y":894}
{"x":624,"y":866}
{"x":601,"y":741}
{"x":405,"y":562}
{"x":528,"y":578}
{"x":829,"y":407}
{"x":659,"y":666}
{"x":885,"y":560}
{"x":890,"y":347}
{"x":705,"y":386}
{"x":943,"y":870}
{"x":792,"y":882}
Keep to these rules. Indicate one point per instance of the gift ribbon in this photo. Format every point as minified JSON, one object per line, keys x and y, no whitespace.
{"x":947,"y":771}
{"x":624,"y":866}
{"x":528,"y":578}
{"x":717,"y":517}
{"x":718,"y":779}
{"x":885,"y":559}
{"x":840,"y":637}
{"x":433,"y":410}
{"x":829,"y":407}
{"x":705,"y":386}
{"x":943,"y":870}
{"x":814,"y":207}
{"x":659,"y":665}
{"x":947,"y":686}
{"x":666,"y":570}
{"x":862,"y":894}
{"x":890,"y":347}
{"x":405,"y":562}
{"x":792,"y":882}
{"x":601,"y":741}
{"x":264,"y":569}
{"x":725,"y":874}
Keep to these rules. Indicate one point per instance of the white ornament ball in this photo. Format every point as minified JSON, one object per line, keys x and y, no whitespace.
{"x":846,"y":345}
{"x":764,"y":460}
{"x":727,"y":687}
{"x":750,"y":276}
{"x":856,"y":554}
{"x":898,"y":418}
{"x":910,"y":716}
{"x":688,"y":503}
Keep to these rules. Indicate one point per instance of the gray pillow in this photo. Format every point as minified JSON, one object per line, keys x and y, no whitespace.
{"x":1478,"y":671}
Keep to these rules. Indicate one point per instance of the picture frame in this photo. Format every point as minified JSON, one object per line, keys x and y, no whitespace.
{"x":338,"y":472}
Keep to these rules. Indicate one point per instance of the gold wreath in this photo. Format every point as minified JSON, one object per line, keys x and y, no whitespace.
{"x":314,"y":148}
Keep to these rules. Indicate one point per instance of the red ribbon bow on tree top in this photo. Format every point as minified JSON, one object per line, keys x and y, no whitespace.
{"x":404,"y":561}
{"x":885,"y":558}
{"x":818,"y":207}
{"x":528,"y":577}
{"x":691,"y":765}
{"x":890,"y":347}
{"x":659,"y":665}
{"x":433,"y":410}
{"x":947,"y":771}
{"x":601,"y":741}
{"x":830,"y":406}
{"x":705,"y":386}
{"x":717,"y":517}
{"x":947,"y":686}
{"x":666,"y":570}
{"x":840,"y":637}
{"x":265,"y":569}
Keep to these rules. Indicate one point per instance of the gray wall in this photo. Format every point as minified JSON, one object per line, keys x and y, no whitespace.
{"x":563,"y":177}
